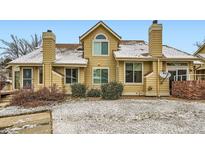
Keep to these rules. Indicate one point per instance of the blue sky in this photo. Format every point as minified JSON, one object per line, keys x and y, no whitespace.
{"x":180,"y":34}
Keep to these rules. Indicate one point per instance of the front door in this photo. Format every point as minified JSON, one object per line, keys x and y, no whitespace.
{"x":27,"y":78}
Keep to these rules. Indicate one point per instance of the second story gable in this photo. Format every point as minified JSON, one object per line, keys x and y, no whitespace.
{"x":100,"y":41}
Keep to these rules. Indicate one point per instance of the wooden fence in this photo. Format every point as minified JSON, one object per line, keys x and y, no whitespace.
{"x":39,"y":122}
{"x":194,"y":89}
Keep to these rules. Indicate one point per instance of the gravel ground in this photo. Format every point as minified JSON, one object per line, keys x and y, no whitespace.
{"x":124,"y":116}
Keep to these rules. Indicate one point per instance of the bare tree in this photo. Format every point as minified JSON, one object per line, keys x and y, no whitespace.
{"x":18,"y":46}
{"x":199,"y":44}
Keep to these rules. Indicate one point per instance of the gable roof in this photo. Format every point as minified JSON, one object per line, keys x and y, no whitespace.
{"x":140,"y":49}
{"x":199,"y":49}
{"x":100,"y":23}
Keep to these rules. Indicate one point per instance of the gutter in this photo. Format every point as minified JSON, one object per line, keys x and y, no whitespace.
{"x":158,"y":86}
{"x":72,"y":65}
{"x":25,"y":64}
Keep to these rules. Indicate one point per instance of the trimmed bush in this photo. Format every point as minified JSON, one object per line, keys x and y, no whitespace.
{"x":94,"y":93}
{"x":112,"y":90}
{"x":78,"y":90}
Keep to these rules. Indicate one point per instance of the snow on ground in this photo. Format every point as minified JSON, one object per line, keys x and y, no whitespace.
{"x":125,"y":116}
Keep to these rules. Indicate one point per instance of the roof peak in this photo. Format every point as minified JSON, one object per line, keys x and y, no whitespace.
{"x":97,"y":25}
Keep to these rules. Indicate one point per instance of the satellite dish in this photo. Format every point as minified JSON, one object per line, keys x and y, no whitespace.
{"x":165,"y":75}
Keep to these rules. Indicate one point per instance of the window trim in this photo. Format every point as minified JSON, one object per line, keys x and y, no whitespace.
{"x":176,"y":68}
{"x":100,"y":40}
{"x":42,"y":76}
{"x":133,"y":83}
{"x":78,"y":79}
{"x":31,"y":76}
{"x":100,"y":68}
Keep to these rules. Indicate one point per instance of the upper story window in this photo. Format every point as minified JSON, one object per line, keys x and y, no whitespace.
{"x":100,"y":45}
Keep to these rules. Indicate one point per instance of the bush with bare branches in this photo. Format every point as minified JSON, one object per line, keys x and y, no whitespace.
{"x":44,"y":96}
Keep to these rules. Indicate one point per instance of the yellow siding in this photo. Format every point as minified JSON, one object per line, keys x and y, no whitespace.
{"x":100,"y":61}
{"x":155,"y":40}
{"x":58,"y":80}
{"x":133,"y":89}
{"x":202,"y":50}
{"x":191,"y":71}
{"x":67,"y":87}
{"x":154,"y":85}
{"x":48,"y":47}
{"x":48,"y":57}
{"x":36,"y":84}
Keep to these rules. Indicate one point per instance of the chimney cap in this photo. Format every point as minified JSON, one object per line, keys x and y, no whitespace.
{"x":155,"y":21}
{"x":50,"y":31}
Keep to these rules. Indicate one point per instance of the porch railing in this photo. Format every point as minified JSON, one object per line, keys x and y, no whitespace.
{"x":189,"y":77}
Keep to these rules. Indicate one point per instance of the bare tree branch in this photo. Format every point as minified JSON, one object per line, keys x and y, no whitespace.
{"x":199,"y":44}
{"x":18,"y":46}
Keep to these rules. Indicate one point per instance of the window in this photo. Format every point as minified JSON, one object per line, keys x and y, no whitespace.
{"x":178,"y":74}
{"x":17,"y":80}
{"x":133,"y":72}
{"x":71,"y":76}
{"x":100,"y":46}
{"x":27,"y":78}
{"x":100,"y":75}
{"x":182,"y":75}
{"x":40,"y":75}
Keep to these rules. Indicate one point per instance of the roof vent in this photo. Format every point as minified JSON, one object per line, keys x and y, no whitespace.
{"x":155,"y":22}
{"x":50,"y":31}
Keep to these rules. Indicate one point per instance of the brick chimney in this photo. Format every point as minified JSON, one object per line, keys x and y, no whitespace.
{"x":49,"y":55}
{"x":155,"y":39}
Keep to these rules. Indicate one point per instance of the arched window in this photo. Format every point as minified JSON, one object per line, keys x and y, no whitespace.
{"x":100,"y":45}
{"x":100,"y":36}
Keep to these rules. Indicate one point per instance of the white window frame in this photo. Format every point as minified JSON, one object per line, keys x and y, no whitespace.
{"x":176,"y":68}
{"x":100,"y":40}
{"x":39,"y":76}
{"x":31,"y":76}
{"x":133,"y":83}
{"x":100,"y":80}
{"x":71,"y":71}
